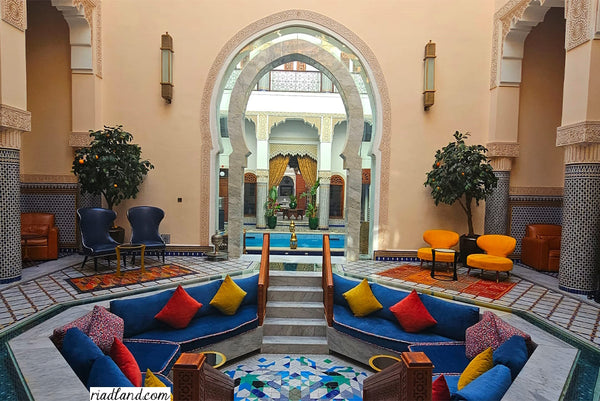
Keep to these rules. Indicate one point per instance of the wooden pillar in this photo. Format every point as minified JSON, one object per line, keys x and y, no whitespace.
{"x":195,"y":380}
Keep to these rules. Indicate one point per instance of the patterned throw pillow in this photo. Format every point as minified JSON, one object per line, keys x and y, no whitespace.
{"x":506,"y":331}
{"x":478,"y":366}
{"x":82,"y":323}
{"x":482,"y":335}
{"x":229,"y":297}
{"x":412,"y":314}
{"x":361,"y":300}
{"x":180,"y":309}
{"x":121,"y":355}
{"x":104,"y":327}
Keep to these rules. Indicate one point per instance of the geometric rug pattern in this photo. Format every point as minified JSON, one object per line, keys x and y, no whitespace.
{"x":128,"y":277}
{"x":293,"y":378}
{"x":469,"y":284}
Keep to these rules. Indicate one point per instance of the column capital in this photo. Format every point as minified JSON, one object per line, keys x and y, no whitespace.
{"x":324,"y":177}
{"x":12,"y":117}
{"x":502,"y":149}
{"x":262,"y":176}
{"x":584,"y":132}
{"x":501,"y":163}
{"x":582,"y":153}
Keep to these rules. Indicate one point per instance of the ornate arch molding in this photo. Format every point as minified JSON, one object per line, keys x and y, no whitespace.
{"x":208,"y":127}
{"x":280,"y":53}
{"x":512,"y":24}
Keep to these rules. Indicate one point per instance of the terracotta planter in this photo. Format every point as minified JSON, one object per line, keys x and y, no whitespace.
{"x":271,"y":222}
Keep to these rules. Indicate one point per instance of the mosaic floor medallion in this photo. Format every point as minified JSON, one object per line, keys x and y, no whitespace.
{"x":294,"y":378}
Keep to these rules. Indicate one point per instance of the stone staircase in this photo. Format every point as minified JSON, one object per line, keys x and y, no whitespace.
{"x":295,"y":321}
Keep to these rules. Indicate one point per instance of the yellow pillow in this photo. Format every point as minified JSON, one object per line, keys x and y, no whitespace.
{"x":361,"y":299}
{"x":229,"y":297}
{"x":153,"y":381}
{"x":478,"y":366}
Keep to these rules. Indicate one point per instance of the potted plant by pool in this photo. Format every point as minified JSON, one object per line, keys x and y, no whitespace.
{"x":272,"y":207}
{"x":311,"y":206}
{"x":293,"y":202}
{"x":462,"y":173}
{"x":112,"y":167}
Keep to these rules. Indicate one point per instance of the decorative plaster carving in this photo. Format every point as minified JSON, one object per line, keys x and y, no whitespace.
{"x":536,"y":191}
{"x":41,"y":178}
{"x":501,"y":163}
{"x":326,"y":131}
{"x":13,"y":12}
{"x":262,"y":127}
{"x":325,"y":177}
{"x":582,"y":153}
{"x":10,"y":138}
{"x":262,"y":175}
{"x":98,"y":37}
{"x":88,"y":9}
{"x":579,"y":22}
{"x":12,"y":117}
{"x":367,"y":58}
{"x":502,"y":149}
{"x":293,"y":149}
{"x":79,"y":139}
{"x":584,"y":132}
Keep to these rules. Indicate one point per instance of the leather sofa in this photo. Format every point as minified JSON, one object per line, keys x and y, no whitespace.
{"x":39,"y":236}
{"x":540,"y":248}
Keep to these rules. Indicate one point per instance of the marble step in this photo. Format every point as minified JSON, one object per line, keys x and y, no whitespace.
{"x":294,"y":345}
{"x":291,"y":310}
{"x":303,"y":279}
{"x":294,"y":327}
{"x":294,"y":293}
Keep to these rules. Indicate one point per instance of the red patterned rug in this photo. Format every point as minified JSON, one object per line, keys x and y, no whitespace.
{"x":111,"y":280}
{"x":468,"y":284}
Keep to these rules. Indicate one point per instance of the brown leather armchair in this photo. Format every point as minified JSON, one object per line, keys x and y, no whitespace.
{"x":39,"y":236}
{"x":540,"y":248}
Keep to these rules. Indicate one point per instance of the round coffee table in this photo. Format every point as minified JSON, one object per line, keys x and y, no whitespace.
{"x":445,"y":277}
{"x":214,"y":358}
{"x":128,"y":248}
{"x":380,"y":362}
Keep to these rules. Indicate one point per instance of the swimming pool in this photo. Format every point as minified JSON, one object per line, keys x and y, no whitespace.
{"x":308,"y":243}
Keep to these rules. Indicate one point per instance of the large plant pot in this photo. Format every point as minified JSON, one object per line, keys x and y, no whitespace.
{"x":313,"y":223}
{"x":293,"y":204}
{"x":117,"y":233}
{"x":271,"y":222}
{"x":468,"y":245}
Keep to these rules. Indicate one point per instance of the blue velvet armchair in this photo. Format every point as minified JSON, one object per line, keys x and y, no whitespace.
{"x":145,"y":221}
{"x":94,"y":226}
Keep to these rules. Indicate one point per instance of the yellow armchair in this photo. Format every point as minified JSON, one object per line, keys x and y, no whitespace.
{"x":438,"y":239}
{"x":497,"y":248}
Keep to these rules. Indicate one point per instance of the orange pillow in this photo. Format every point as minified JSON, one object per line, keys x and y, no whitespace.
{"x":121,"y":355}
{"x":412,"y":314}
{"x":180,"y":309}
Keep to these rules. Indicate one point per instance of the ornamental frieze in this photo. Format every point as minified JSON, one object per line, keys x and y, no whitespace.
{"x":12,"y":117}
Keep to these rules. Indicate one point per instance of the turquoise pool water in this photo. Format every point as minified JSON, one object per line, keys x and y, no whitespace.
{"x":307,"y":242}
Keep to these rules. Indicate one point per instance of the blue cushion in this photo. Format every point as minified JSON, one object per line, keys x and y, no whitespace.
{"x":157,"y":356}
{"x":80,"y":352}
{"x":452,"y":319}
{"x":106,"y":373}
{"x":379,"y":331}
{"x":490,"y":386}
{"x":206,"y":330}
{"x":512,"y":354}
{"x":387,"y":297}
{"x":446,"y":358}
{"x":138,"y":313}
{"x":250,"y":285}
{"x":203,"y":294}
{"x":340,"y":286}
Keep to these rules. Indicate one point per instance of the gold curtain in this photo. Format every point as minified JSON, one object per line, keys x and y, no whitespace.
{"x":308,"y":169}
{"x":277,"y":166}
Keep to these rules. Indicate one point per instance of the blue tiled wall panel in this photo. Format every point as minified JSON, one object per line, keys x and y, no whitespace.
{"x":537,"y":213}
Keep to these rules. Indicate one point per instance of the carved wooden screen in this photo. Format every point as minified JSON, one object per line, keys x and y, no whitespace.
{"x":250,"y":194}
{"x":336,"y":197}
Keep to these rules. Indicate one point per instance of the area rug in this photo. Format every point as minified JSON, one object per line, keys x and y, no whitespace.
{"x":473,"y":285}
{"x":294,"y":378}
{"x":107,"y":281}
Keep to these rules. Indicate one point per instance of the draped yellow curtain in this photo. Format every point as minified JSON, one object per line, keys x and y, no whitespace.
{"x":308,"y":169}
{"x":277,"y":166}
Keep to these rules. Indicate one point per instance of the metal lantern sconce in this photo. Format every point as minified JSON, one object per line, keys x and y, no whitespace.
{"x":429,"y":76}
{"x":166,"y":71}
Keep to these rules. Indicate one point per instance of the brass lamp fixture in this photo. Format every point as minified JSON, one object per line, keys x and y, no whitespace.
{"x":166,"y":71}
{"x":429,"y":75}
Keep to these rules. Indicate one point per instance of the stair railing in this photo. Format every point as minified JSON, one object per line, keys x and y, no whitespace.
{"x":327,"y":281}
{"x":263,"y":280}
{"x":195,"y":380}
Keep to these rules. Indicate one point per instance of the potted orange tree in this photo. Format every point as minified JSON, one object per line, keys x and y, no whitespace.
{"x":462,"y":173}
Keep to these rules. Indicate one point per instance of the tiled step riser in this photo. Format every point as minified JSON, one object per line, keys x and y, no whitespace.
{"x":295,"y":295}
{"x":295,"y":312}
{"x":295,"y":349}
{"x":291,"y":330}
{"x":303,"y":281}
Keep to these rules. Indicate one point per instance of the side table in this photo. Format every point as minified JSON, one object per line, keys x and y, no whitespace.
{"x":128,"y":248}
{"x":380,"y":362}
{"x":445,"y":277}
{"x":214,"y":358}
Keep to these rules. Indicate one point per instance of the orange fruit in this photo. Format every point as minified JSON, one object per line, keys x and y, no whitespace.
{"x":115,"y":185}
{"x":437,"y":164}
{"x":80,"y":161}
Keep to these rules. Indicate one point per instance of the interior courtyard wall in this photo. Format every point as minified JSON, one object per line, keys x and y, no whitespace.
{"x":540,"y":163}
{"x":169,"y":134}
{"x":13,"y":76}
{"x":44,"y":150}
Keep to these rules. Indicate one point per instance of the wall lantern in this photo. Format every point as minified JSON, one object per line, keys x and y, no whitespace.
{"x":166,"y":73}
{"x":429,"y":76}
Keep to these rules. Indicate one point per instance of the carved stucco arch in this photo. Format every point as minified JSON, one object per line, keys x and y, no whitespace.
{"x":381,"y":105}
{"x":277,"y":54}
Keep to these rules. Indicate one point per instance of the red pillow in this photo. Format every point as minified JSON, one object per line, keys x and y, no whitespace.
{"x":440,"y":390}
{"x":121,"y":355}
{"x":180,"y":309}
{"x":412,"y":314}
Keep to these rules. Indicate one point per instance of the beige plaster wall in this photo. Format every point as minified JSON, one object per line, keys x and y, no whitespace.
{"x":45,"y":149}
{"x":12,"y":66}
{"x":541,"y":163}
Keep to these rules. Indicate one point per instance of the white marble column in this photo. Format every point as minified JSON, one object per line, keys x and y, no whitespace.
{"x":324,"y":180}
{"x":262,"y":183}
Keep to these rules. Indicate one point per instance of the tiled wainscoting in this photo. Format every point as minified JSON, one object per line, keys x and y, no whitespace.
{"x":525,"y":210}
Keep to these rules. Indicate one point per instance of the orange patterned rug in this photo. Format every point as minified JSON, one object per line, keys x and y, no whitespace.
{"x":468,"y":284}
{"x":111,"y":280}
